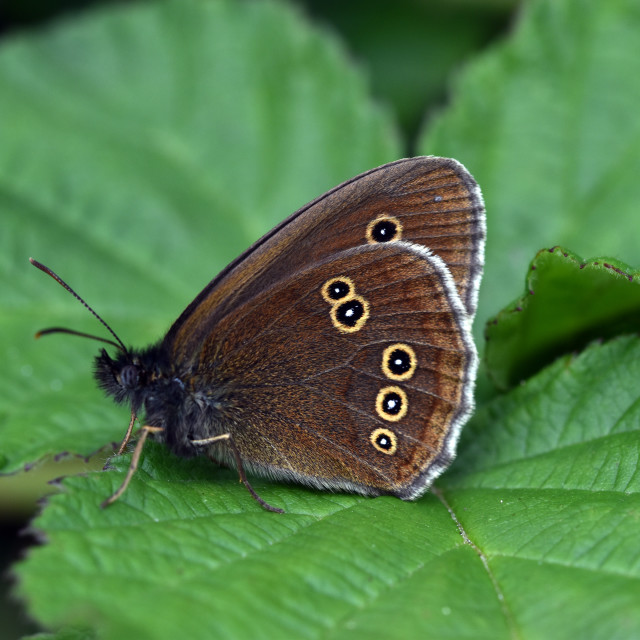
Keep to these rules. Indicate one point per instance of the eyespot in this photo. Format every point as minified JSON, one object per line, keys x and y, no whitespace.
{"x":384,"y":440}
{"x":337,"y":289}
{"x":384,"y":229}
{"x":350,"y":316}
{"x":437,"y":199}
{"x":392,"y":404}
{"x":399,"y":361}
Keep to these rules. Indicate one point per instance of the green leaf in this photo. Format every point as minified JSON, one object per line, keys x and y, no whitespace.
{"x":546,"y":492}
{"x":547,"y":123}
{"x":548,"y":477}
{"x":567,"y":303}
{"x":141,"y":150}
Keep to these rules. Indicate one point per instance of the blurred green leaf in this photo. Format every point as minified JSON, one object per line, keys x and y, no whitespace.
{"x":567,"y":303}
{"x":547,"y":123}
{"x":546,"y":492}
{"x":411,"y":48}
{"x":142,"y":150}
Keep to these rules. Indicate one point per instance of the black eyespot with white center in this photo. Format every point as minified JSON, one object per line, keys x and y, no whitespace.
{"x":399,"y":361}
{"x":383,"y":229}
{"x":337,"y":289}
{"x":384,"y":440}
{"x":392,"y":404}
{"x":348,"y":313}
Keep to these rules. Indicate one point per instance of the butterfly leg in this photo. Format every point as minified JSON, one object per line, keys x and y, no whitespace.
{"x":127,"y":435}
{"x":125,"y":441}
{"x":137,"y":452}
{"x":243,"y":478}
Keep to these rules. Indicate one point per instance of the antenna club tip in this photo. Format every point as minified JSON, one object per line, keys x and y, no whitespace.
{"x":37,"y":335}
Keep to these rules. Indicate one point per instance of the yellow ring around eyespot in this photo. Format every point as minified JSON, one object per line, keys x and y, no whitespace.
{"x":325,"y":290}
{"x":404,"y":407}
{"x":359,"y":323}
{"x":373,"y":438}
{"x":372,"y":224}
{"x":413,"y":361}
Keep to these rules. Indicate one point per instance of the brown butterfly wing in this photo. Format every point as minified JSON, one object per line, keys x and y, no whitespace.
{"x":435,"y":202}
{"x":306,"y":389}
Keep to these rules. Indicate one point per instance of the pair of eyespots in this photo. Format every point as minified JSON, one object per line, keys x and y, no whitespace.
{"x":392,"y":405}
{"x":349,"y":311}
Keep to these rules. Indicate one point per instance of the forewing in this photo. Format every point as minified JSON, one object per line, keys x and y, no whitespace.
{"x":436,"y":202}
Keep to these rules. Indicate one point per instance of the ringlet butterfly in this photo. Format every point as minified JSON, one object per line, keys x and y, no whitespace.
{"x":335,"y":352}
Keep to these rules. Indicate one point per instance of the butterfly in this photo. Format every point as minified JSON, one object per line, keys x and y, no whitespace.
{"x":335,"y":352}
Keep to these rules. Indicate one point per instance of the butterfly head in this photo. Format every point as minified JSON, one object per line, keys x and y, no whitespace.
{"x":122,"y":377}
{"x":141,"y":378}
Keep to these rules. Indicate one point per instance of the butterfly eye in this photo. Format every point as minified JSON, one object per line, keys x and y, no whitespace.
{"x":384,"y":229}
{"x":392,"y":404}
{"x":351,"y":315}
{"x":338,"y":289}
{"x":399,"y":362}
{"x":384,"y":440}
{"x":129,"y":376}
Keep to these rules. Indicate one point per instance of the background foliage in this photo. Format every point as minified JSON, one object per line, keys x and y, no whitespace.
{"x":144,"y":146}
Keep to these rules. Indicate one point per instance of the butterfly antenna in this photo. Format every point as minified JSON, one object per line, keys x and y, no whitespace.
{"x":119,"y":344}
